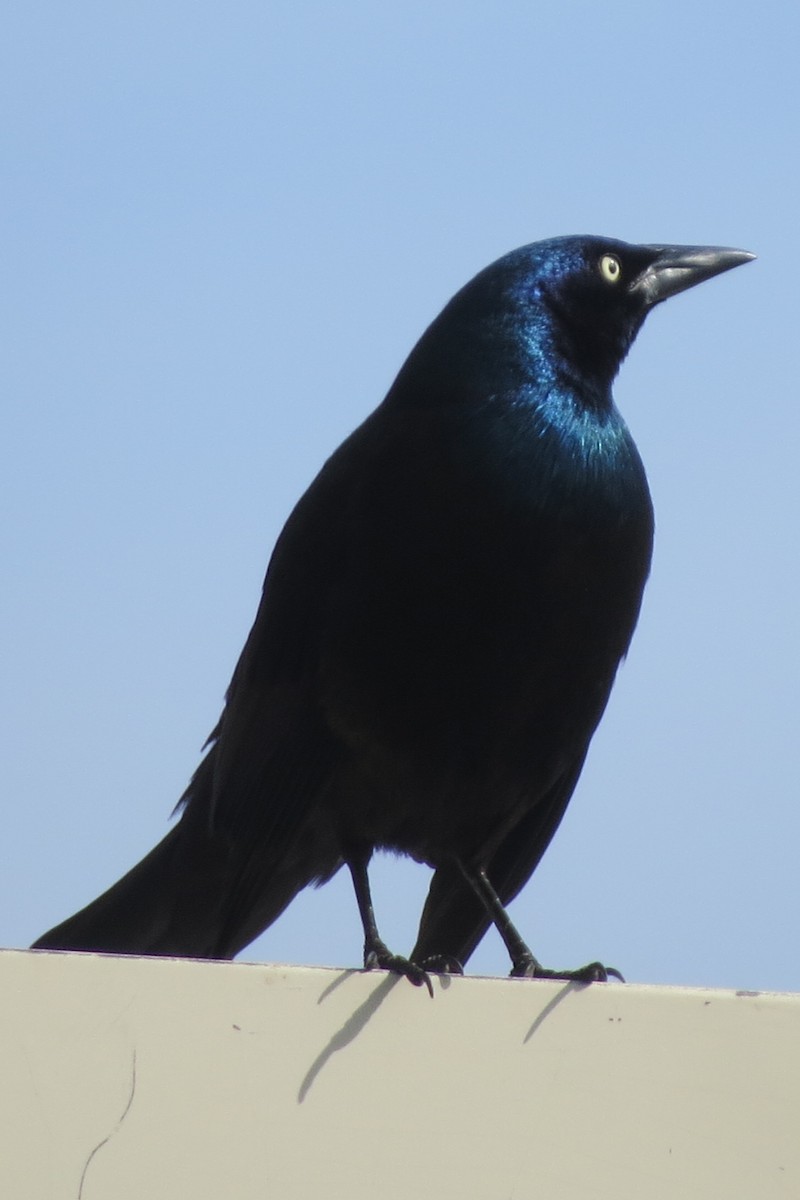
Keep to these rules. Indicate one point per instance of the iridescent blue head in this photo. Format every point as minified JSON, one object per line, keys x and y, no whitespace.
{"x":571,"y":306}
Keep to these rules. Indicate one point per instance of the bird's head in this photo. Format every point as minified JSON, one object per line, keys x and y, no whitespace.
{"x":553,"y":314}
{"x":586,"y":297}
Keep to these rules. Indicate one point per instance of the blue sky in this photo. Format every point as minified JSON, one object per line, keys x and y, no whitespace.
{"x":225,"y":226}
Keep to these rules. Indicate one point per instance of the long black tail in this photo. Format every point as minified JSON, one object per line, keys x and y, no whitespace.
{"x":180,"y":900}
{"x":169,"y":904}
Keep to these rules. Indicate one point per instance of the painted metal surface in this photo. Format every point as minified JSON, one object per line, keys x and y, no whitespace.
{"x":164,"y":1079}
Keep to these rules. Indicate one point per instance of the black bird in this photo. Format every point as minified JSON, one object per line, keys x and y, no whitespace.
{"x":439,"y":630}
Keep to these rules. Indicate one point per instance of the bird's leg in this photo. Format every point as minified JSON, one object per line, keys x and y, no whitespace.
{"x":376,"y":952}
{"x":523,"y":962}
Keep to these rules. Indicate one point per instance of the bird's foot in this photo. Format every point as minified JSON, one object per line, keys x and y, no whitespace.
{"x":594,"y":972}
{"x":443,"y":964}
{"x":380,"y":957}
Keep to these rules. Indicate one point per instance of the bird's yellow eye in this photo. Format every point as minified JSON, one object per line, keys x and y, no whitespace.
{"x":610,"y":268}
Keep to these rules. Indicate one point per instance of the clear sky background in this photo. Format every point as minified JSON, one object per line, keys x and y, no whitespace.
{"x":224,"y":227}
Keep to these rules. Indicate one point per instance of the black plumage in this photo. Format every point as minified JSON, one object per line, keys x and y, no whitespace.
{"x":440,"y":627}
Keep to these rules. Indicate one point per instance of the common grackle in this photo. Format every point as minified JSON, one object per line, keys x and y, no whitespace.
{"x":440,"y":627}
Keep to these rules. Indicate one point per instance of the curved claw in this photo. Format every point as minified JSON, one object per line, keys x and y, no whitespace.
{"x":399,"y":966}
{"x":594,"y":972}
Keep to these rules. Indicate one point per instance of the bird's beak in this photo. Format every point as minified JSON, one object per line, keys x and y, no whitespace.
{"x":677,"y":268}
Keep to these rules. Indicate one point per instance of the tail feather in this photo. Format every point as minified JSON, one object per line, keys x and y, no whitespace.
{"x":180,"y":901}
{"x":157,"y":908}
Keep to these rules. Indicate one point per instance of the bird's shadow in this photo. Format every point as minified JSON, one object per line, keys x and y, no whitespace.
{"x":550,"y":1008}
{"x":352,"y":1026}
{"x":358,"y":1019}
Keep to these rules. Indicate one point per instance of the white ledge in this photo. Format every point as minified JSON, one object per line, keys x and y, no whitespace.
{"x":168,"y":1079}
